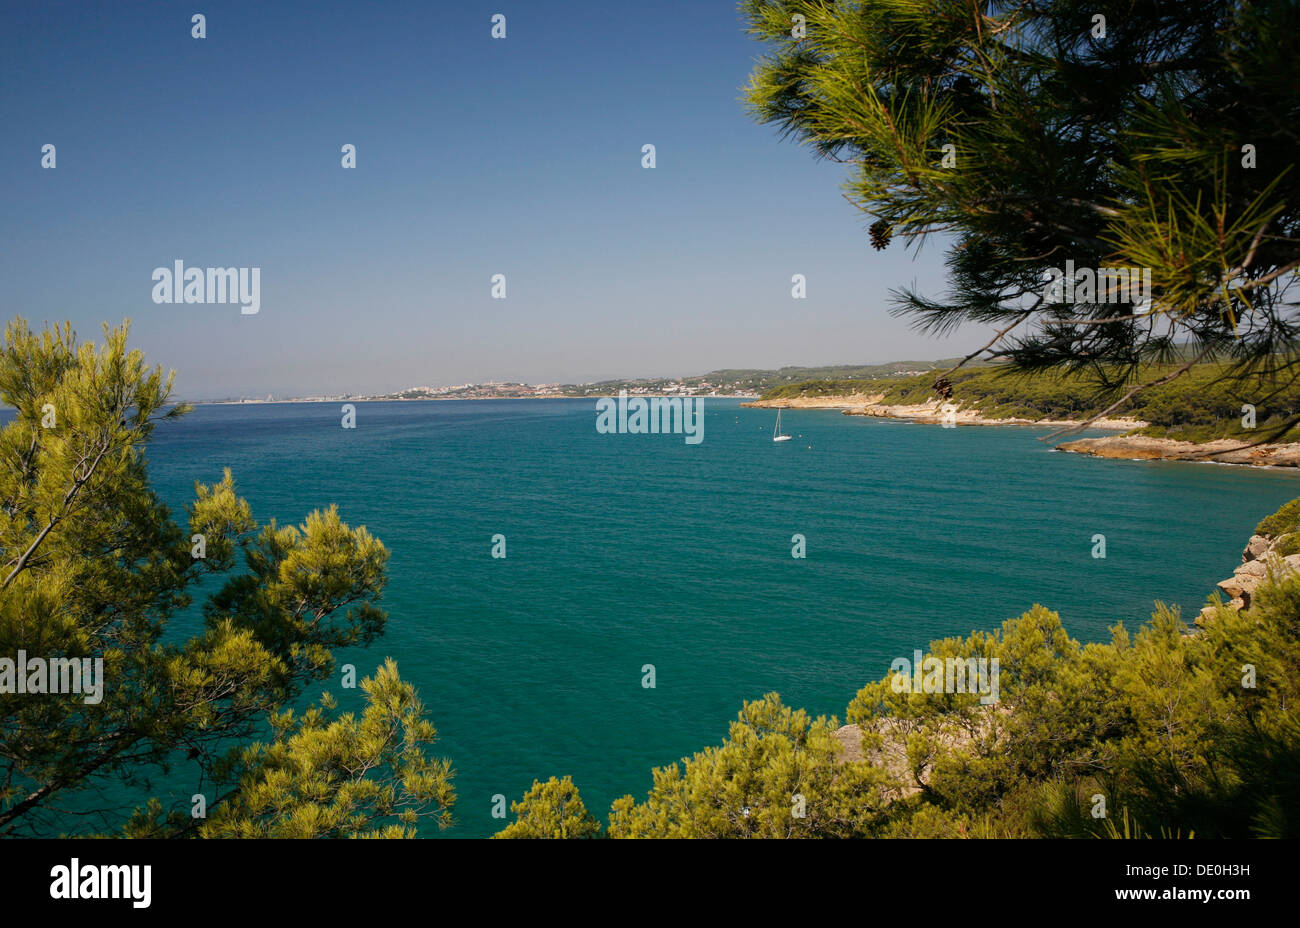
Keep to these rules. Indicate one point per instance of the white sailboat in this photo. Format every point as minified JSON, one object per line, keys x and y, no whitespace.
{"x":776,"y":432}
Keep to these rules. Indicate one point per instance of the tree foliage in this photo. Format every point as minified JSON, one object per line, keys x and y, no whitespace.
{"x":775,"y":776}
{"x":94,"y":566}
{"x":551,"y":810}
{"x":1109,"y":133}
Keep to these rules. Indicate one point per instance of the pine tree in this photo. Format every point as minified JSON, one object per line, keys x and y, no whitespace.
{"x":551,"y":810}
{"x":779,"y":774}
{"x":92,"y":565}
{"x":1108,"y":133}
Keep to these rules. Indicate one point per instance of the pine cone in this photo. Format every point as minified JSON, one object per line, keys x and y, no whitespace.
{"x":880,"y":235}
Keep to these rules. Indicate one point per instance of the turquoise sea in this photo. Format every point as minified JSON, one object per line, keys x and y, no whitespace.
{"x":626,"y":550}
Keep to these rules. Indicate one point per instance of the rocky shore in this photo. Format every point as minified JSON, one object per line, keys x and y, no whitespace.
{"x":930,"y":413}
{"x":933,"y":413}
{"x":1127,"y":447}
{"x":1224,"y":451}
{"x":1264,"y":556}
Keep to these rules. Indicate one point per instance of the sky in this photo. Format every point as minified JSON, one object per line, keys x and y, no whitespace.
{"x":475,"y":156}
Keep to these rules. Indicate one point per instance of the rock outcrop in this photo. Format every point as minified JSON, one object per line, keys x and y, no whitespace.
{"x":1264,"y":558}
{"x":939,"y":412}
{"x":1222,"y":451}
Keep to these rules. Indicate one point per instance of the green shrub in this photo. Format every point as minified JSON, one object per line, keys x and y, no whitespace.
{"x":1286,"y":519}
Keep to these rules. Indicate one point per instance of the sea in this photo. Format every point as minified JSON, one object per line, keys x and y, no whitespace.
{"x":633,"y":556}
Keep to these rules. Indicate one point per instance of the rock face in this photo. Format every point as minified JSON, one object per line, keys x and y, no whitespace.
{"x":1257,"y":545}
{"x":1223,"y":451}
{"x":887,"y":747}
{"x":938,"y":412}
{"x":1262,"y":559}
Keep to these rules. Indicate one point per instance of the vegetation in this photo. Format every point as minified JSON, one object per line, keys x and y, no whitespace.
{"x":94,"y":567}
{"x":774,"y":777}
{"x":1156,"y":136}
{"x":1285,"y":521}
{"x":551,"y":810}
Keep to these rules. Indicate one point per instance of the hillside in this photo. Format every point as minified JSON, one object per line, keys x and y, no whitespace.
{"x":1198,"y":407}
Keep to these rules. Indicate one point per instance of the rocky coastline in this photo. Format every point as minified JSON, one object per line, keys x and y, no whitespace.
{"x":1223,"y":451}
{"x":1126,"y":446}
{"x":1265,"y":557}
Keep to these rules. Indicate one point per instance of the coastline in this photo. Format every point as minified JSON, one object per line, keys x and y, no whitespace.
{"x":931,"y":413}
{"x":1222,"y":451}
{"x":1119,"y":447}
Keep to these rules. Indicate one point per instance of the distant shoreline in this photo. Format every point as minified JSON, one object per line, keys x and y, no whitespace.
{"x":1121,"y":447}
{"x":931,"y":413}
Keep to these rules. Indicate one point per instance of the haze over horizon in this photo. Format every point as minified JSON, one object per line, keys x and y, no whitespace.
{"x":502,"y":380}
{"x":475,"y":156}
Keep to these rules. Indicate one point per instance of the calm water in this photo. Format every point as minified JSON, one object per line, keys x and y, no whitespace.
{"x":625,"y":550}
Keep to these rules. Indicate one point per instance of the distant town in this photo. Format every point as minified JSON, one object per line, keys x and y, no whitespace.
{"x":740,"y":383}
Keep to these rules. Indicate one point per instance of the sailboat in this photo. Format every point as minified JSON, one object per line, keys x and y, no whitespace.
{"x":776,"y":432}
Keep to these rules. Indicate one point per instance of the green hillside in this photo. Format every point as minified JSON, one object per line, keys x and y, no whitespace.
{"x":1201,"y":405}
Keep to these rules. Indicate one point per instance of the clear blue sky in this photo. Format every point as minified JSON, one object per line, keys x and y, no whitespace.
{"x":475,"y":156}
